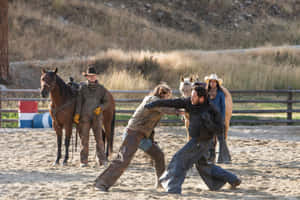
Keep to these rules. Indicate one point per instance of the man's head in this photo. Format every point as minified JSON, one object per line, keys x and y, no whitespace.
{"x":199,"y":95}
{"x":91,"y":74}
{"x":162,"y":91}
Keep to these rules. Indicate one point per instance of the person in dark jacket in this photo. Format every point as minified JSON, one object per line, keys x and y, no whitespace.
{"x":205,"y":122}
{"x":92,"y":99}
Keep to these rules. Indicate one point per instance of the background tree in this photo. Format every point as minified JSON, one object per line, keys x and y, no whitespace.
{"x":4,"y":65}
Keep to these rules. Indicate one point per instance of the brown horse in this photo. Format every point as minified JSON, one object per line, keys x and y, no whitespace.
{"x":62,"y":109}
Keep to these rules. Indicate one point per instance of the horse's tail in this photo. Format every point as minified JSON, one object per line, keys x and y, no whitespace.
{"x":112,"y":133}
{"x":228,"y":109}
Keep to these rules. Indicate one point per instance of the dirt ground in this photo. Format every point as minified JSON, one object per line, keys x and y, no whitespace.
{"x":267,"y":158}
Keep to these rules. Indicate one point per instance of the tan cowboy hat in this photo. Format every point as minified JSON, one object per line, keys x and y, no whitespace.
{"x":90,"y":71}
{"x":213,"y":77}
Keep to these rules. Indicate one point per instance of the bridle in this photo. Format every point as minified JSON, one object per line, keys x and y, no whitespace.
{"x":185,"y":90}
{"x":49,"y":86}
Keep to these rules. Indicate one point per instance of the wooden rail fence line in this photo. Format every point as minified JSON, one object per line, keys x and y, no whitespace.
{"x":290,"y":94}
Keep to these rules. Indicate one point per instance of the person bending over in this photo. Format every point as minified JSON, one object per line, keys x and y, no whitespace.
{"x":138,"y":135}
{"x":205,"y":122}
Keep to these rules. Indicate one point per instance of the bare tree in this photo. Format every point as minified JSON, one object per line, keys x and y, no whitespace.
{"x":4,"y":65}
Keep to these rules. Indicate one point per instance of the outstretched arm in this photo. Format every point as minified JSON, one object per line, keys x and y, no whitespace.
{"x":174,"y":103}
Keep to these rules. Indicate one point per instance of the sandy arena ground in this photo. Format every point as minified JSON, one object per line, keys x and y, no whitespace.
{"x":266,"y":158}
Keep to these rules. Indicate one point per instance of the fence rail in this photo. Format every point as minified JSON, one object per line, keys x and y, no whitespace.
{"x":290,"y":95}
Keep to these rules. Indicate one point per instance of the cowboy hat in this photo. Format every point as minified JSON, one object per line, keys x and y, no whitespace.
{"x":90,"y":71}
{"x":213,"y":77}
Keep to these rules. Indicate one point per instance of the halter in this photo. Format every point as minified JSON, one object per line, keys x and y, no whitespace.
{"x":50,"y":86}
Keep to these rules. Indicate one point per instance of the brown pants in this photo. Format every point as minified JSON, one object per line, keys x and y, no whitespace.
{"x":84,"y":132}
{"x":126,"y":153}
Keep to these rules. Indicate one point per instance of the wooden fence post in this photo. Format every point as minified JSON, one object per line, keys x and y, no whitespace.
{"x":290,"y":107}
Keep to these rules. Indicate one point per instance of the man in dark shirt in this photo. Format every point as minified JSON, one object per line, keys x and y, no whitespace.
{"x":205,"y":122}
{"x":91,"y":101}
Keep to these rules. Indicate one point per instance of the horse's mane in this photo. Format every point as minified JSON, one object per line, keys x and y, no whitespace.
{"x":64,"y":89}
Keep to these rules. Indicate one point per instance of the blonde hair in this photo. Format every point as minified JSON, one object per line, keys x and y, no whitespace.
{"x":161,"y":89}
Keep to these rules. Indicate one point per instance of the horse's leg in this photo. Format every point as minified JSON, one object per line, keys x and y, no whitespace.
{"x":227,"y":123}
{"x":104,"y":138}
{"x":187,"y":123}
{"x":58,"y":131}
{"x":112,"y":132}
{"x":107,"y":128}
{"x":109,"y":123}
{"x":68,"y":131}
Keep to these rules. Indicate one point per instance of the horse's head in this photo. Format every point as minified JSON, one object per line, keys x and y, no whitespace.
{"x":198,"y":83}
{"x":48,"y":82}
{"x":185,"y":86}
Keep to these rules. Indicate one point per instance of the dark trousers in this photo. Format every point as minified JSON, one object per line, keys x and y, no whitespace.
{"x":194,"y":152}
{"x":224,"y":154}
{"x":127,"y":150}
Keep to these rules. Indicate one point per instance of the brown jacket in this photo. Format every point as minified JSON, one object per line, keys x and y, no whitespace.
{"x":91,"y":96}
{"x":144,"y":120}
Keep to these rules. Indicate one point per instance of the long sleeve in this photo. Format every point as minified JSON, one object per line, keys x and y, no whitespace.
{"x":174,"y":103}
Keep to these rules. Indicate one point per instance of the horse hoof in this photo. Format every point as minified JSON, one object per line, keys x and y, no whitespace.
{"x":55,"y":164}
{"x":65,"y":164}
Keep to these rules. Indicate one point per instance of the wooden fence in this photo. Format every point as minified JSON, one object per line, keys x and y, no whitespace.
{"x":288,"y":99}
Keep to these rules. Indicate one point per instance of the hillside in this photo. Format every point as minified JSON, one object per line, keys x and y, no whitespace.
{"x":62,"y":28}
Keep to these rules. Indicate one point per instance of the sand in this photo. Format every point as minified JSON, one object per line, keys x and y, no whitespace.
{"x":266,"y":158}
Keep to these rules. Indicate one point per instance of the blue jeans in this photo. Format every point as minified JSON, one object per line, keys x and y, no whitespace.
{"x":173,"y":178}
{"x":223,"y":174}
{"x":194,"y":152}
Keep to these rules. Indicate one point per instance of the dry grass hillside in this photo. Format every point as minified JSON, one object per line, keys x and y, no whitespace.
{"x":60,"y":28}
{"x":141,"y":42}
{"x":268,"y":68}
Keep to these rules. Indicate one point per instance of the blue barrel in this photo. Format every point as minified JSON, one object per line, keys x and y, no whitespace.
{"x":25,"y":123}
{"x":43,"y":120}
